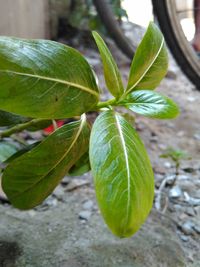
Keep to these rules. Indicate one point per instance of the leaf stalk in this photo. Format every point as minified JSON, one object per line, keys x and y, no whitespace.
{"x":20,"y":127}
{"x":111,"y":102}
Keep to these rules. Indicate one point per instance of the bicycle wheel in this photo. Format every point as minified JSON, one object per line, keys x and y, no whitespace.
{"x":167,"y":15}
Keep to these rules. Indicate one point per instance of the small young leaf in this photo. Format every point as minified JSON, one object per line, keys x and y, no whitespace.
{"x":151,"y":104}
{"x":111,"y":71}
{"x":45,"y":79}
{"x":30,"y":178}
{"x":122,"y":174}
{"x":150,"y":63}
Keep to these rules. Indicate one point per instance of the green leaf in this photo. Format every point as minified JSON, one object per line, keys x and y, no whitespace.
{"x":8,"y":119}
{"x":30,"y":178}
{"x":44,"y":79}
{"x":175,"y":154}
{"x":111,"y":71}
{"x":151,"y":104}
{"x":6,"y":150}
{"x":150,"y":63}
{"x":81,"y":166}
{"x":122,"y":174}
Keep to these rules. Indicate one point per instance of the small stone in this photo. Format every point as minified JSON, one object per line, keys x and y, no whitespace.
{"x":188,"y":228}
{"x":88,"y":205}
{"x":183,"y":217}
{"x":58,"y":192}
{"x":76,"y":183}
{"x":197,"y":229}
{"x":154,"y":139}
{"x":51,"y":201}
{"x":159,"y":169}
{"x":175,"y":192}
{"x":197,"y":211}
{"x":197,"y":136}
{"x":162,"y":146}
{"x":84,"y":215}
{"x":171,"y":75}
{"x":190,"y":211}
{"x":32,"y":213}
{"x":180,"y":134}
{"x":191,"y":98}
{"x":66,"y":180}
{"x":167,"y":164}
{"x":191,"y":200}
{"x":178,"y":207}
{"x":170,"y":179}
{"x":184,"y":238}
{"x":182,"y":177}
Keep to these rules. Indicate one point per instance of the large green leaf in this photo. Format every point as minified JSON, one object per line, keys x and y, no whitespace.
{"x":8,"y":119}
{"x":122,"y":174}
{"x":111,"y":71}
{"x":150,"y":62}
{"x":30,"y":178}
{"x":151,"y":104}
{"x":44,"y":79}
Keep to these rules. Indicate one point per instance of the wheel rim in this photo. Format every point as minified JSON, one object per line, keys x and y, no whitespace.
{"x":188,"y":51}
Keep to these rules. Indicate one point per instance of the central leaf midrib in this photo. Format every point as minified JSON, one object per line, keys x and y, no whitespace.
{"x":145,"y":103}
{"x":83,"y":88}
{"x":57,"y":163}
{"x":147,"y":69}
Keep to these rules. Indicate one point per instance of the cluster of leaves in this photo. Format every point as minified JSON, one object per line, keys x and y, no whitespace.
{"x":46,"y":80}
{"x":84,"y":15}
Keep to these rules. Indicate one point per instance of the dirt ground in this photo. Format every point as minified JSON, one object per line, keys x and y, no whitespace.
{"x":67,"y":229}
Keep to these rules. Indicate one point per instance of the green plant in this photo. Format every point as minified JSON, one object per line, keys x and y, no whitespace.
{"x":176,"y":155}
{"x":45,"y":80}
{"x":83,"y":15}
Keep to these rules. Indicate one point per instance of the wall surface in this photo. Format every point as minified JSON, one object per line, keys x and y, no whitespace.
{"x":24,"y":18}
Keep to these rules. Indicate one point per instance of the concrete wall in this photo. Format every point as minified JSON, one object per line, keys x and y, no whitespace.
{"x":24,"y":18}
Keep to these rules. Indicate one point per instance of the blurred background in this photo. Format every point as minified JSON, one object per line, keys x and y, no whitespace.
{"x":67,"y":229}
{"x":47,"y":18}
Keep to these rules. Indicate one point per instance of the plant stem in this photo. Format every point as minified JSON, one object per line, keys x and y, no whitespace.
{"x":20,"y":127}
{"x":110,"y":102}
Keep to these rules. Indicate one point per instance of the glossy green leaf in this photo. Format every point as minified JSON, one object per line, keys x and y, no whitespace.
{"x":122,"y":174}
{"x":81,"y":166}
{"x":30,"y":178}
{"x":6,"y":150}
{"x":9,"y":119}
{"x":151,"y":104}
{"x":150,"y":63}
{"x":111,"y":71}
{"x":44,"y":79}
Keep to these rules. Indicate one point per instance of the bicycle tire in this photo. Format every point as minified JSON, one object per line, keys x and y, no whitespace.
{"x":176,"y":40}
